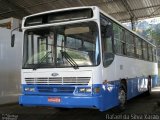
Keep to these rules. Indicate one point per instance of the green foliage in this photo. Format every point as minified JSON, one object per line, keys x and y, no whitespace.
{"x":152,"y":33}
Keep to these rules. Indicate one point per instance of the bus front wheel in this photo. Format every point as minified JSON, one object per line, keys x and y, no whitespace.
{"x":122,"y":98}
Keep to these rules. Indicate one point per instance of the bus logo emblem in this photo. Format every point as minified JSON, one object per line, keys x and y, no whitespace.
{"x":54,"y":74}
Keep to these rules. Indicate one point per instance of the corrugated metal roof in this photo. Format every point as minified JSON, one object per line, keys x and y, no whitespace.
{"x":122,"y":10}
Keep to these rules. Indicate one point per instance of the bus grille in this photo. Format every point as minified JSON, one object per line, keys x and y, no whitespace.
{"x":56,"y":89}
{"x":58,"y":80}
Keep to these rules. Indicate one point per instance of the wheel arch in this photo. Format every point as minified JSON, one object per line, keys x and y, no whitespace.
{"x":123,"y":83}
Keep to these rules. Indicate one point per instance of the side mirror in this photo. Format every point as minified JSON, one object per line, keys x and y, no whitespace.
{"x":12,"y":40}
{"x":13,"y":36}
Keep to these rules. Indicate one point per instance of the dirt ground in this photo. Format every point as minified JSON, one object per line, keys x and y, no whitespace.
{"x":139,"y":108}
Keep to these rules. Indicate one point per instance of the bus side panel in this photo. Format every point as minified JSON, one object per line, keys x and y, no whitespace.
{"x":109,"y":94}
{"x":154,"y":80}
{"x":136,"y":86}
{"x":134,"y":71}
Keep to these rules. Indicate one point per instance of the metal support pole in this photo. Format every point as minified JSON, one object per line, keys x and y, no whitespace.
{"x":133,"y":24}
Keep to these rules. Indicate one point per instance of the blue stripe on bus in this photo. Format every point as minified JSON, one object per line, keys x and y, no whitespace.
{"x":106,"y":99}
{"x":154,"y":80}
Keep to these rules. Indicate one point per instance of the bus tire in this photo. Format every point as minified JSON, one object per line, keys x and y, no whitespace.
{"x":148,"y":92}
{"x":122,"y":97}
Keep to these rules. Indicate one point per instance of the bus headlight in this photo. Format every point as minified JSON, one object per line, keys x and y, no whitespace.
{"x":29,"y":89}
{"x":84,"y":90}
{"x":88,"y":90}
{"x":81,"y":90}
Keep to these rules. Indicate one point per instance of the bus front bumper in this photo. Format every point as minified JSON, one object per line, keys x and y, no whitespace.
{"x":65,"y":101}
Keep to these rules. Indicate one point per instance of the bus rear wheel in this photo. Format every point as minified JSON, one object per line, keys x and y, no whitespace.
{"x":148,"y":92}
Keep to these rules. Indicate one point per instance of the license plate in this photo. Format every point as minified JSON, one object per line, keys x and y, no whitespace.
{"x":54,"y":99}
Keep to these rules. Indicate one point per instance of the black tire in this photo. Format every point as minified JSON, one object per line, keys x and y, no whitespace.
{"x":122,"y":97}
{"x":148,"y":92}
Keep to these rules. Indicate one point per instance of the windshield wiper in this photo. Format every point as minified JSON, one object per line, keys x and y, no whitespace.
{"x":41,"y":60}
{"x":69,"y":59}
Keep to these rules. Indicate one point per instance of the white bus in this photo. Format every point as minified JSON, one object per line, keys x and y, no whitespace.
{"x":82,"y":58}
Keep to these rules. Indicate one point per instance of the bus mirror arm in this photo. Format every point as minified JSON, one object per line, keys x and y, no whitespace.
{"x":12,"y":40}
{"x":13,"y":36}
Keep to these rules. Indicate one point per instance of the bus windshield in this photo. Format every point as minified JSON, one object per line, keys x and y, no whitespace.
{"x":45,"y":47}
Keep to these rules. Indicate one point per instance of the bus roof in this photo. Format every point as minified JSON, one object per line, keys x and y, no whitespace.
{"x":59,"y":10}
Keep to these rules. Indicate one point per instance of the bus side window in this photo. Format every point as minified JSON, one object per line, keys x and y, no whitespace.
{"x":119,"y":40}
{"x":107,"y":41}
{"x":145,"y":50}
{"x":150,"y":54}
{"x":154,"y":55}
{"x":107,"y":35}
{"x":130,"y":44}
{"x":138,"y":48}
